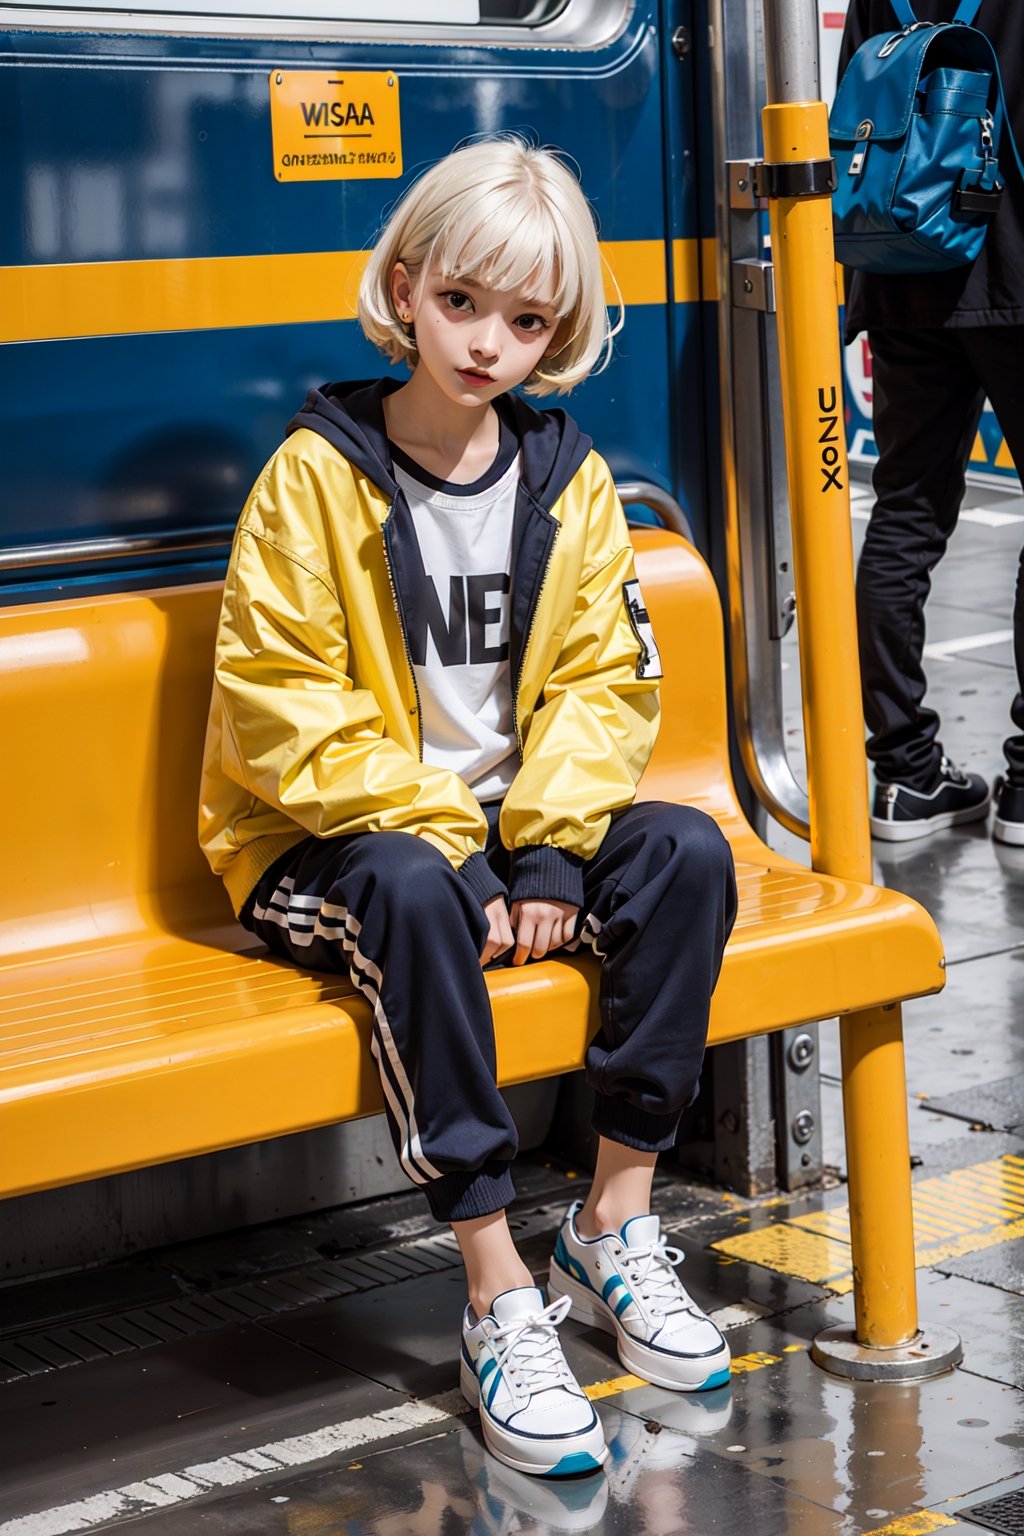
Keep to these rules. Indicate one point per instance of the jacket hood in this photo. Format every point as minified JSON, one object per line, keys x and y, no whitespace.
{"x":351,"y":417}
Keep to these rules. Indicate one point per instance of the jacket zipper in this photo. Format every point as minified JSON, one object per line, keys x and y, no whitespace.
{"x":526,"y":641}
{"x":405,"y":639}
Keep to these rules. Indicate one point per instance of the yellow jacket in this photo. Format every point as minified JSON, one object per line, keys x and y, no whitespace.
{"x":314,"y":722}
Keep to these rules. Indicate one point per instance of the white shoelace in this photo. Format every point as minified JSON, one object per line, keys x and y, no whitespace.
{"x":529,"y":1351}
{"x":653,"y":1267}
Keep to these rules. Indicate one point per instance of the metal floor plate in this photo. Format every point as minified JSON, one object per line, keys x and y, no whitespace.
{"x":1005,"y":1514}
{"x":37,"y":1351}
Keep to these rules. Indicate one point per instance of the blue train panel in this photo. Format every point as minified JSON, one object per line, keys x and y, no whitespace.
{"x":170,"y":300}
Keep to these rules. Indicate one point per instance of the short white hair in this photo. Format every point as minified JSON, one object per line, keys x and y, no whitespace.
{"x":502,"y":213}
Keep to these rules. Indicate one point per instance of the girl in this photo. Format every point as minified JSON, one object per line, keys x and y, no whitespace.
{"x":435,"y":691}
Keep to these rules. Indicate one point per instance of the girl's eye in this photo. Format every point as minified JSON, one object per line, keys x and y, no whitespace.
{"x":458,"y":301}
{"x":532,"y":324}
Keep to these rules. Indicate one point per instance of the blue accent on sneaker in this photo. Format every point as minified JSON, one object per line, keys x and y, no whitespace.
{"x":580,"y":1461}
{"x":610,"y":1285}
{"x":621,"y":1306}
{"x":716,"y":1379}
{"x":495,"y":1384}
{"x":489,"y":1365}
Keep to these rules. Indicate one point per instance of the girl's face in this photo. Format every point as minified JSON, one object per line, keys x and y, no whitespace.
{"x":475,"y":342}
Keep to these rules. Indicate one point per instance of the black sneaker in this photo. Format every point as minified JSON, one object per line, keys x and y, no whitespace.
{"x":900,"y":813}
{"x":1008,"y":826}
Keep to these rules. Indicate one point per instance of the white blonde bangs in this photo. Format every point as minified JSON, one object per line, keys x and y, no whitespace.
{"x":508,"y":216}
{"x":508,"y":242}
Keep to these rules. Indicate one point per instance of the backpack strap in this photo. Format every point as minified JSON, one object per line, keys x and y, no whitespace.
{"x":965,"y":12}
{"x":1007,"y":125}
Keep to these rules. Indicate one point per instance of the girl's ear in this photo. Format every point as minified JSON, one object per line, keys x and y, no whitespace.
{"x":401,"y":286}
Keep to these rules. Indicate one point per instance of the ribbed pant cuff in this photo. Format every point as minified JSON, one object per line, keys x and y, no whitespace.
{"x":462,"y":1196}
{"x":621,"y":1121}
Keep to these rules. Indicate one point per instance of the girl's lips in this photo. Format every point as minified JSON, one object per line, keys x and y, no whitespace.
{"x":473,"y":376}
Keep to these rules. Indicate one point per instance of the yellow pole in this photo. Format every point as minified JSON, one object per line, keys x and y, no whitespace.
{"x":878,"y":1161}
{"x":874,"y":1083}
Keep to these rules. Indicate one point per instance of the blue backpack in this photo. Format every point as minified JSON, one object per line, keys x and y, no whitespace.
{"x":915,"y":132}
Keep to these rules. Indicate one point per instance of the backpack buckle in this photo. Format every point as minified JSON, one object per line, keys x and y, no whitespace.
{"x":893,"y":42}
{"x":974,"y":197}
{"x":863,"y":134}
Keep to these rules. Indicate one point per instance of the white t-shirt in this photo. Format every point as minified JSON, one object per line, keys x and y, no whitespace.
{"x":459,"y":646}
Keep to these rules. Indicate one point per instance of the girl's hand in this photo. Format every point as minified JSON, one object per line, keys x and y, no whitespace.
{"x":499,"y":933}
{"x":541,"y":926}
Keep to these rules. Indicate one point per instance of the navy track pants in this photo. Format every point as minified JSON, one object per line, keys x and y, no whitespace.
{"x":388,"y":908}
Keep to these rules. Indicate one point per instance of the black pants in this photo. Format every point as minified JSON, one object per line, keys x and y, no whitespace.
{"x":929,"y":388}
{"x":387,"y":907}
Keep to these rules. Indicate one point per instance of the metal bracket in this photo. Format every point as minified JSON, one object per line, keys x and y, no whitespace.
{"x":794,"y":178}
{"x":752,"y":180}
{"x":753,"y":285}
{"x":797,"y":1102}
{"x":741,"y":183}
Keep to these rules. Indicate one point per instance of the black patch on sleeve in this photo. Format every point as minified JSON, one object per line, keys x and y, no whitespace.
{"x":649,"y":661}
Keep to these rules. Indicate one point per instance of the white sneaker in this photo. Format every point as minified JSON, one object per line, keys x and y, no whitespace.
{"x":533,"y":1412}
{"x":625,"y":1282}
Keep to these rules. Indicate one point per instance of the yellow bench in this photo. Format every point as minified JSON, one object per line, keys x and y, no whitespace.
{"x":139,"y":1023}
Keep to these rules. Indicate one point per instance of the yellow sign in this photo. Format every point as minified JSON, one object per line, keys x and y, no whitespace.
{"x":335,"y":124}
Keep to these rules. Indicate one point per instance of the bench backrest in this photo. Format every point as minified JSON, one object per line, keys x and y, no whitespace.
{"x":104,"y":702}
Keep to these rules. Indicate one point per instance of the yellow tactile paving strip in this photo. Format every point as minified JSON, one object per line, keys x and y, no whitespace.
{"x":954,"y":1213}
{"x":742,"y":1365}
{"x":921,"y":1524}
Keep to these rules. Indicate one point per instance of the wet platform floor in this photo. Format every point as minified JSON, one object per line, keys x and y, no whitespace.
{"x":302,"y":1379}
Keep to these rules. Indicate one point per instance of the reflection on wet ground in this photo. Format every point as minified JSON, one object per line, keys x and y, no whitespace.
{"x":340,"y":1416}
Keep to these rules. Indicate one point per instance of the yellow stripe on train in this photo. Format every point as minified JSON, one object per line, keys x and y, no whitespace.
{"x":119,"y":298}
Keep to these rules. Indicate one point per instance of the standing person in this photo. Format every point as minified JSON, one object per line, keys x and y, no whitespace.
{"x":940,"y":343}
{"x":435,"y":691}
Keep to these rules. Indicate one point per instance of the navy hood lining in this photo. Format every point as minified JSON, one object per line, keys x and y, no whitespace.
{"x":351,"y":418}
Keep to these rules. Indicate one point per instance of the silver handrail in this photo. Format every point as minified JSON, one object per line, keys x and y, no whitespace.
{"x":645,"y":493}
{"x":754,"y":491}
{"x":84,"y":551}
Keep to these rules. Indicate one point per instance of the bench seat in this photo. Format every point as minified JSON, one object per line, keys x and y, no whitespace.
{"x":139,"y":1023}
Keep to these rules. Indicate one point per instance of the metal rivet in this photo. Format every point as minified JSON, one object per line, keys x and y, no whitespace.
{"x":803,"y":1128}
